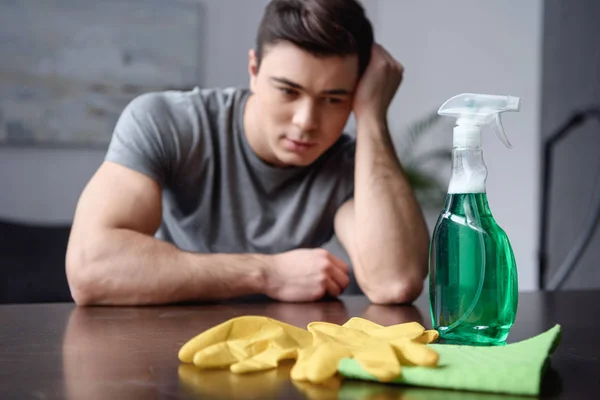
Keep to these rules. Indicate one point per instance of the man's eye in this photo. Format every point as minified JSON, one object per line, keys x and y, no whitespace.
{"x":332,"y":100}
{"x":288,"y":91}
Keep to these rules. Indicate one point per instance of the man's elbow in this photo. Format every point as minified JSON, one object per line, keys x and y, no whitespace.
{"x":400,"y":291}
{"x":79,"y":268}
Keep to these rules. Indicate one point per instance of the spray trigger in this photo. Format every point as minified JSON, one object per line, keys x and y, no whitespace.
{"x":500,"y":131}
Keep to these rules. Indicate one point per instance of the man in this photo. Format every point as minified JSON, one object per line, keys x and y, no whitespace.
{"x":219,"y":193}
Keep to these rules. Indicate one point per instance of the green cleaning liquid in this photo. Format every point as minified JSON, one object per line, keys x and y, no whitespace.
{"x":473,"y":277}
{"x":473,"y":291}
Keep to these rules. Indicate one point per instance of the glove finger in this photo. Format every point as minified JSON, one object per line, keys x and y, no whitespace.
{"x":235,"y":351}
{"x":428,"y":336}
{"x":228,"y":352}
{"x":380,"y":361}
{"x":235,"y":328}
{"x":219,"y":355}
{"x":298,"y":372}
{"x":323,"y":363}
{"x":361,"y":324}
{"x":285,"y":344}
{"x":328,"y":332}
{"x":263,"y":361}
{"x":318,"y":364}
{"x":302,"y":337}
{"x":406,"y":330}
{"x":412,"y":353}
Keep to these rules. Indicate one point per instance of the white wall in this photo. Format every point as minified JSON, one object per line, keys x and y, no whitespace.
{"x":482,"y":47}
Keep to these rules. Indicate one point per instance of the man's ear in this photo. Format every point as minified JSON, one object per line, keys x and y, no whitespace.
{"x":252,"y":68}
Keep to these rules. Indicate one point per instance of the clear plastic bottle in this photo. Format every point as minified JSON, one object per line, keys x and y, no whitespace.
{"x":473,"y":285}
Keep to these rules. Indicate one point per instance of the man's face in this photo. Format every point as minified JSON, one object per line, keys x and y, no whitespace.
{"x":302,"y":102}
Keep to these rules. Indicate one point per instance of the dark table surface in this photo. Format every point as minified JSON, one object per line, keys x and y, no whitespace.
{"x":60,"y":351}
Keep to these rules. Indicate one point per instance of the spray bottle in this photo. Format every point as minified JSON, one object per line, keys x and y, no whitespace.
{"x":473,"y":277}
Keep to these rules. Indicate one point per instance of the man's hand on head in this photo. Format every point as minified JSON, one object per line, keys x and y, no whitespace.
{"x":377,"y":87}
{"x":305,"y":275}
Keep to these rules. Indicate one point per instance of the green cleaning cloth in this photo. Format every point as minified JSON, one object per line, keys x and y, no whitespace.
{"x":516,"y":368}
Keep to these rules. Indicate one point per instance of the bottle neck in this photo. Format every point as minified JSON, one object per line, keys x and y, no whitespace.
{"x":467,"y":133}
{"x":468,"y":170}
{"x":466,"y":204}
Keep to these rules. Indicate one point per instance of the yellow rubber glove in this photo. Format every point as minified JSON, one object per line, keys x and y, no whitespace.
{"x":406,"y":340}
{"x":380,"y":350}
{"x":245,"y":344}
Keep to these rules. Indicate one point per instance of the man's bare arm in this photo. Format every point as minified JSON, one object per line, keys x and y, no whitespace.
{"x":114,"y":259}
{"x":383,"y":228}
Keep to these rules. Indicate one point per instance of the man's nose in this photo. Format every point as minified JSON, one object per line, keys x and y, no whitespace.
{"x":306,"y":116}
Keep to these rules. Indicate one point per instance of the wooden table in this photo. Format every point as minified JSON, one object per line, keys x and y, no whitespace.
{"x":60,"y":351}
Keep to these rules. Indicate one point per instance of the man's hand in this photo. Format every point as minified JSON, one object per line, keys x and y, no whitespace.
{"x":305,"y":275}
{"x":377,"y":86}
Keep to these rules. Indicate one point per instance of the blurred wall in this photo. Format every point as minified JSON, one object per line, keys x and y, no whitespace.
{"x":482,"y":47}
{"x":447,"y":48}
{"x":571,"y":82}
{"x":43,"y":185}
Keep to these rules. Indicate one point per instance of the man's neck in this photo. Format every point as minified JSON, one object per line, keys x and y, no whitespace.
{"x":252,"y":131}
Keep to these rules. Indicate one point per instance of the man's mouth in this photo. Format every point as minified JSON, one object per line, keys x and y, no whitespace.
{"x":297,"y":146}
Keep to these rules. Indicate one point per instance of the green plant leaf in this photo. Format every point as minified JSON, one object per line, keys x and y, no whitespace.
{"x":419,"y":179}
{"x":417,"y":129}
{"x":429,"y":191}
{"x":431,"y":156}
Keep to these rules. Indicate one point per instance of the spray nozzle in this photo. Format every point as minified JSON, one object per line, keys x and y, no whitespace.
{"x":472,"y":111}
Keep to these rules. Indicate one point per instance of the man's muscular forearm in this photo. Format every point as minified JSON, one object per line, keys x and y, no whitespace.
{"x":391,"y":238}
{"x":392,"y":242}
{"x":124,"y":267}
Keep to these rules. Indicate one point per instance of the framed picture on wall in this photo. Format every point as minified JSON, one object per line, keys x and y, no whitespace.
{"x":69,"y":67}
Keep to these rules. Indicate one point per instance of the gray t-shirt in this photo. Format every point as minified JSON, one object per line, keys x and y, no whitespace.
{"x":218,"y":196}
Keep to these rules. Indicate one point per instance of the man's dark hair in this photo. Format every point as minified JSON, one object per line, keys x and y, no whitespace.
{"x":321,"y":27}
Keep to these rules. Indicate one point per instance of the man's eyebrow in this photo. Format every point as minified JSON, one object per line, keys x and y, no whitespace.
{"x":338,"y":92}
{"x":287,"y":82}
{"x":335,"y":92}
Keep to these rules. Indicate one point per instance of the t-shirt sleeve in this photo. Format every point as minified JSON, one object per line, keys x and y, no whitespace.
{"x":144,"y":138}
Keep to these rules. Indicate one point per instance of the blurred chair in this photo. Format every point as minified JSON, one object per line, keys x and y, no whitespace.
{"x":32,"y":263}
{"x":565,"y":269}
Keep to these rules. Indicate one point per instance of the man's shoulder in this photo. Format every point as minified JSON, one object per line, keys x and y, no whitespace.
{"x":223,"y":96}
{"x":177,"y":101}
